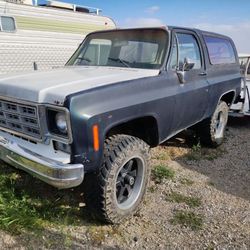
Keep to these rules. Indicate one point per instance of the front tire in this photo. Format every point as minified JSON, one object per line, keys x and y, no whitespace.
{"x":212,"y":130}
{"x":116,"y":191}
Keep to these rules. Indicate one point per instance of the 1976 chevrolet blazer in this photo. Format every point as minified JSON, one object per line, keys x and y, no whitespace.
{"x":122,"y":92}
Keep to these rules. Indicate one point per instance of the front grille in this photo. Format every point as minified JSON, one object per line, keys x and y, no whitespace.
{"x":20,"y":118}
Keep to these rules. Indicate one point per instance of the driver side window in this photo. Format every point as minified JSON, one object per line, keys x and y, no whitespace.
{"x":188,"y":48}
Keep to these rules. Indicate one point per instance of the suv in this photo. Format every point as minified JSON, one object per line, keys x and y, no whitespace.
{"x":121,"y":93}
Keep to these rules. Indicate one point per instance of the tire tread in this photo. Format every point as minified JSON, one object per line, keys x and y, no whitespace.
{"x":96,"y":183}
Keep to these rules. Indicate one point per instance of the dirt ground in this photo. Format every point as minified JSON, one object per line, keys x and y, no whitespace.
{"x":205,"y":205}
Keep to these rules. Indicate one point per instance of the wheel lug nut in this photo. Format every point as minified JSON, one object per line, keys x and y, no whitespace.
{"x":131,"y":181}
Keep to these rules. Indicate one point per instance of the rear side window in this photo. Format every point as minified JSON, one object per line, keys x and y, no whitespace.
{"x":220,"y":50}
{"x":7,"y":24}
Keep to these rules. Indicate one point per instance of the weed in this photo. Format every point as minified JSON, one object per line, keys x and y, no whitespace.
{"x":98,"y":234}
{"x":161,"y":155}
{"x":210,"y":247}
{"x":195,"y":154}
{"x":152,"y":189}
{"x":20,"y":211}
{"x":210,"y":183}
{"x":186,"y":181}
{"x":180,"y":198}
{"x":161,"y":172}
{"x":16,"y":213}
{"x":68,"y":241}
{"x":187,"y":219}
{"x":198,"y":153}
{"x":213,"y":154}
{"x":197,"y":147}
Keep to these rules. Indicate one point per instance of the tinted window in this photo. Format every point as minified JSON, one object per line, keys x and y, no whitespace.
{"x":8,"y":24}
{"x":188,"y":48}
{"x":220,"y":50}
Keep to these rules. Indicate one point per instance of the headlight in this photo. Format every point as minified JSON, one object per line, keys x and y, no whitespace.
{"x":58,"y":123}
{"x":61,"y":122}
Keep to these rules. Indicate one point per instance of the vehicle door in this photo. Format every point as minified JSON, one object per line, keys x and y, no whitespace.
{"x":188,"y":71}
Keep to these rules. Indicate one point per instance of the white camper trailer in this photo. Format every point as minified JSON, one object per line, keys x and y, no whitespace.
{"x":242,"y":108}
{"x":43,"y":36}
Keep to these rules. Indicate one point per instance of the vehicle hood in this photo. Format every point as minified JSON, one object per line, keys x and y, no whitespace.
{"x":53,"y":86}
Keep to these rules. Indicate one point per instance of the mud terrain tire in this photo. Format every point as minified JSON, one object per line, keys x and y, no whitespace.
{"x":116,"y":191}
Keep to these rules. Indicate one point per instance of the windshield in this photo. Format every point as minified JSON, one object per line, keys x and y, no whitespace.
{"x":123,"y":48}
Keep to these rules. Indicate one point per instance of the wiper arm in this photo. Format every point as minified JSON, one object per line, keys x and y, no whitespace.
{"x":82,"y":58}
{"x":124,"y":62}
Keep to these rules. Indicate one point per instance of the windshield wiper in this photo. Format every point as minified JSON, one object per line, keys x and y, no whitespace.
{"x":83,"y":59}
{"x":124,"y":62}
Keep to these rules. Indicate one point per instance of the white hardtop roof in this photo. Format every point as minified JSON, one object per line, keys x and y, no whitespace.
{"x":244,"y":55}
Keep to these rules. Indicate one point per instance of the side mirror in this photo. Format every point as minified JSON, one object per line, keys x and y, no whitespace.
{"x":185,"y":66}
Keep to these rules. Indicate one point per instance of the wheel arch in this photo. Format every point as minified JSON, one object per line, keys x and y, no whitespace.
{"x":145,"y":128}
{"x":228,"y":97}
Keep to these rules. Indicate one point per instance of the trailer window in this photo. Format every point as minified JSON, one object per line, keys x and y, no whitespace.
{"x":220,"y":50}
{"x":7,"y":24}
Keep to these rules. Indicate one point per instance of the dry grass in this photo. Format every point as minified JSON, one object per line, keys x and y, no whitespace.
{"x":180,"y":198}
{"x":198,"y":153}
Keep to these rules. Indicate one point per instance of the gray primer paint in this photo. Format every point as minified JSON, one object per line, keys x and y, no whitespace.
{"x":53,"y":86}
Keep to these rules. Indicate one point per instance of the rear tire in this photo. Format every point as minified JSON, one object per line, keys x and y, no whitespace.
{"x":212,"y":130}
{"x":116,"y":191}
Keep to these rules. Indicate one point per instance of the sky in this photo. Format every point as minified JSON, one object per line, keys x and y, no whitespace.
{"x":229,"y":17}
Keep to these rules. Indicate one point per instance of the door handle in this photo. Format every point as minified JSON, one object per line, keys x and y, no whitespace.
{"x":202,"y":74}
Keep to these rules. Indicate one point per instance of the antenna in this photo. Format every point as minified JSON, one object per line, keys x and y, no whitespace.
{"x":35,"y":66}
{"x":5,"y":8}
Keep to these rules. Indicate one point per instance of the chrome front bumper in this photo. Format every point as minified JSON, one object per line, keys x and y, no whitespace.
{"x":53,"y":172}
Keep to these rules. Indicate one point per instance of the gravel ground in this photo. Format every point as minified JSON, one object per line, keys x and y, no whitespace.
{"x":218,"y":178}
